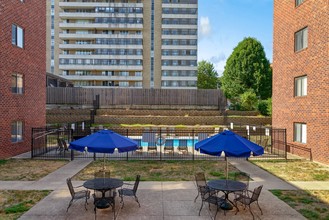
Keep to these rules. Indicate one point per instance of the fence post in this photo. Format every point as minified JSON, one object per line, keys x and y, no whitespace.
{"x":72,"y":155}
{"x":193,"y":151}
{"x":127,"y":135}
{"x":160,"y":138}
{"x":32,"y":142}
{"x":285,"y":143}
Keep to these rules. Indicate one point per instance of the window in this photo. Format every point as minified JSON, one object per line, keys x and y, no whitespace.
{"x":301,"y":86}
{"x":298,"y":2}
{"x":300,"y":133}
{"x":301,"y":39}
{"x":17,"y":84}
{"x":16,"y":131}
{"x":17,"y":36}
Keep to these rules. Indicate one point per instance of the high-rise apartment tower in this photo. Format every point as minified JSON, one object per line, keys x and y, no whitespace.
{"x":124,"y":43}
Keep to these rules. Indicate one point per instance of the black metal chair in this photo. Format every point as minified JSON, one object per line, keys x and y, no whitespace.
{"x":76,"y":195}
{"x":247,"y":200}
{"x":208,"y":197}
{"x":244,"y":178}
{"x":130,"y":191}
{"x":201,"y":184}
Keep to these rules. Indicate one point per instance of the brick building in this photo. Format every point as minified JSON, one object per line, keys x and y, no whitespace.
{"x":22,"y":73}
{"x":300,"y":75}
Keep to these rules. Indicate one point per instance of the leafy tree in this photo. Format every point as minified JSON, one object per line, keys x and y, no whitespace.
{"x":265,"y":107}
{"x":207,"y":76}
{"x":248,"y":100}
{"x":247,"y":68}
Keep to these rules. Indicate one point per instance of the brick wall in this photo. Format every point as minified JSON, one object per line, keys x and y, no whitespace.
{"x":313,"y":62}
{"x":29,"y":61}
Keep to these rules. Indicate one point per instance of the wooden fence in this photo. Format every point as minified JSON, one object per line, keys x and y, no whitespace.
{"x":126,"y":96}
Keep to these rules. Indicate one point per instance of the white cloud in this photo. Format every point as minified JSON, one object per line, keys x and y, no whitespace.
{"x":205,"y":27}
{"x":219,"y":58}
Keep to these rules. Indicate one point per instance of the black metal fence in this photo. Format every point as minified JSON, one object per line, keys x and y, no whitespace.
{"x":154,"y":143}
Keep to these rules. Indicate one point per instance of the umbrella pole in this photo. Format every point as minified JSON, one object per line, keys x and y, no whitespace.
{"x":104,"y":162}
{"x":226,"y":168}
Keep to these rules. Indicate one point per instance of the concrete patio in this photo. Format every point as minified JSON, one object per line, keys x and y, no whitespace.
{"x":159,"y":200}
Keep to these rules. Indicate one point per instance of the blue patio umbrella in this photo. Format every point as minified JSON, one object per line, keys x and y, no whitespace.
{"x":104,"y":141}
{"x":229,"y":143}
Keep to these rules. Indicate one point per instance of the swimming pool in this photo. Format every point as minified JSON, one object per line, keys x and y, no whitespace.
{"x":189,"y":142}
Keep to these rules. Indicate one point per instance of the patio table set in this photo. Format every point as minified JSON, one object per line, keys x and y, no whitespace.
{"x":226,"y":142}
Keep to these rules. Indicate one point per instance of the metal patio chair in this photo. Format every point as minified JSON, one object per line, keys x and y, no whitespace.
{"x":76,"y":195}
{"x":244,"y":178}
{"x":201,"y":184}
{"x":211,"y":198}
{"x":249,"y":198}
{"x":130,"y":191}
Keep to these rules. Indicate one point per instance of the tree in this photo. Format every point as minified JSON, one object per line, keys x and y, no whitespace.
{"x":207,"y":76}
{"x":248,"y":100}
{"x":247,"y":68}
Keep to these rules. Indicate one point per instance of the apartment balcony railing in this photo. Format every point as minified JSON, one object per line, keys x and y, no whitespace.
{"x":94,"y":4}
{"x":100,"y":26}
{"x":93,"y":36}
{"x":99,"y":46}
{"x":97,"y":56}
{"x":79,"y":15}
{"x":100,"y":67}
{"x":100,"y":77}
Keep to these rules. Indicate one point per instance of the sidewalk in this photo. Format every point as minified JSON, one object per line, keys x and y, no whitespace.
{"x":159,"y":200}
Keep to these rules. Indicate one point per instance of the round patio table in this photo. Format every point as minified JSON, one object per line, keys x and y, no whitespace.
{"x":103,"y":184}
{"x":227,"y":186}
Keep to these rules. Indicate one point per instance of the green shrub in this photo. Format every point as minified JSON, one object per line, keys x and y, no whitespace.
{"x":249,"y":100}
{"x":262,"y":107}
{"x":269,"y":106}
{"x":265,"y":107}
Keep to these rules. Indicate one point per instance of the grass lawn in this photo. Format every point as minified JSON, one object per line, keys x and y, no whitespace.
{"x":14,"y":203}
{"x":27,"y":169}
{"x":158,"y":170}
{"x":295,"y":170}
{"x":312,"y":204}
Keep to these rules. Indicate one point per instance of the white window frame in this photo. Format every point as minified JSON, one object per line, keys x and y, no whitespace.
{"x":17,"y":36}
{"x":17,"y":83}
{"x":301,"y":39}
{"x":298,"y":2}
{"x":300,"y":86}
{"x":16,"y":131}
{"x":300,"y":133}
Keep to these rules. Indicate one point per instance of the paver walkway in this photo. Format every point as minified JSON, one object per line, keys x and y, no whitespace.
{"x":159,"y":200}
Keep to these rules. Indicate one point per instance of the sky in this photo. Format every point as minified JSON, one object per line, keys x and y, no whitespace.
{"x":225,"y":23}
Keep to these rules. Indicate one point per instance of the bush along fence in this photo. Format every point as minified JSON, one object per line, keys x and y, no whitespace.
{"x":153,"y":143}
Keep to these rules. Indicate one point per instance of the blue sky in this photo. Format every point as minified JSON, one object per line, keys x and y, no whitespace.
{"x":224,"y":23}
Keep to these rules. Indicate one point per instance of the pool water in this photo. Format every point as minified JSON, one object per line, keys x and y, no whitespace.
{"x":190,"y":142}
